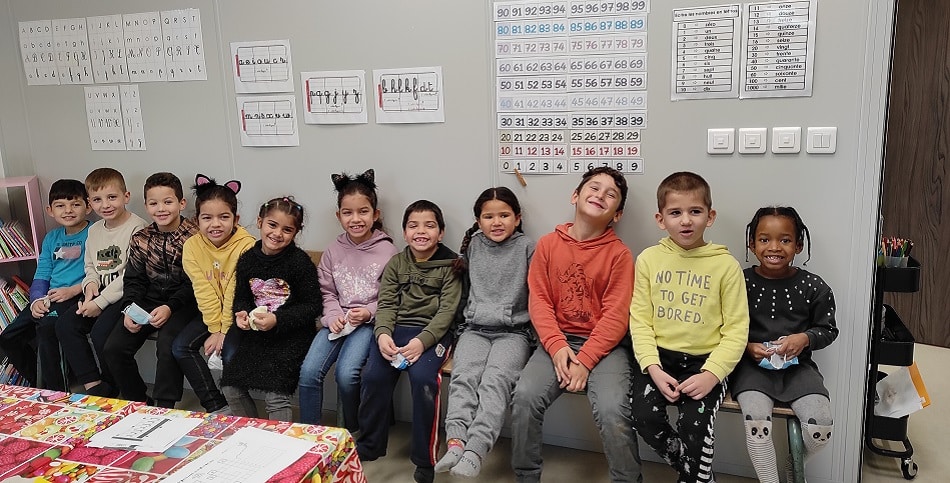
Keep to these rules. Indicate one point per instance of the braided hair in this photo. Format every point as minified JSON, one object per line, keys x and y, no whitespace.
{"x":361,"y":184}
{"x":500,"y":193}
{"x":801,"y":231}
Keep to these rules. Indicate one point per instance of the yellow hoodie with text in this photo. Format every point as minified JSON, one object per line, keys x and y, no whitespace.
{"x":691,"y":301}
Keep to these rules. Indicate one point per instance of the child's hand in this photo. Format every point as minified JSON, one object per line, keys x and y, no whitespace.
{"x":359,"y":315}
{"x":265,"y":320}
{"x":160,"y":315}
{"x":64,"y":293}
{"x":39,"y":308}
{"x":757,"y":351}
{"x":89,"y":309}
{"x":579,"y":375}
{"x":562,"y":360}
{"x":387,"y":347}
{"x":668,"y":386}
{"x":90,"y":291}
{"x":214,"y":343}
{"x":699,"y":385}
{"x":412,"y":350}
{"x":240,"y":320}
{"x":791,"y":345}
{"x":130,"y":324}
{"x":337,"y":325}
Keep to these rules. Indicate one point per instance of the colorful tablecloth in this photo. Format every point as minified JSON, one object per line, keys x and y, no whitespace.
{"x":43,"y":436}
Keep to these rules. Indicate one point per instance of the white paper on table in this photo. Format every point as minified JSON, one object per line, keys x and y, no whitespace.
{"x":262,"y":66}
{"x":409,"y":95}
{"x":334,"y":96}
{"x":72,"y":51}
{"x":37,"y":52}
{"x":250,"y":455}
{"x":104,"y":116}
{"x":183,"y":45}
{"x":707,"y":42}
{"x":132,"y":117}
{"x":144,"y":432}
{"x":268,"y":120}
{"x":107,"y":49}
{"x":144,"y":47}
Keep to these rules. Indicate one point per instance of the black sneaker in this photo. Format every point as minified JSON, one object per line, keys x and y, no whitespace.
{"x":424,"y":474}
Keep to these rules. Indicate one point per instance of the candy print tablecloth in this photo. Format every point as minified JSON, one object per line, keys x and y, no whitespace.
{"x":43,"y":437}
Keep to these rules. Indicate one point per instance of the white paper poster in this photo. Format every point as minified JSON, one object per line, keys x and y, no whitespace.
{"x":132,"y":117}
{"x":145,"y":54}
{"x":268,"y":120}
{"x":72,"y":51}
{"x":263,"y":66}
{"x":706,"y":46}
{"x":779,"y":49}
{"x":39,"y":56}
{"x":183,"y":45}
{"x":107,"y":49}
{"x":147,"y":433}
{"x":334,"y":97}
{"x":104,"y":115}
{"x":409,"y":95}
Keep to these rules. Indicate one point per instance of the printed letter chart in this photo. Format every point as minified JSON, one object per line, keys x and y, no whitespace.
{"x":268,"y":120}
{"x":144,"y":47}
{"x":706,"y":44}
{"x":72,"y":51}
{"x":107,"y":49}
{"x":262,"y":67}
{"x":104,"y":113}
{"x":779,"y":49}
{"x":334,"y":97}
{"x":570,"y":84}
{"x":411,"y":95}
{"x":39,"y":56}
{"x":184,"y":49}
{"x":132,"y":117}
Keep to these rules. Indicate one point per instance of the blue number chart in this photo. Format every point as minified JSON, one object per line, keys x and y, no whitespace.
{"x":571,"y":84}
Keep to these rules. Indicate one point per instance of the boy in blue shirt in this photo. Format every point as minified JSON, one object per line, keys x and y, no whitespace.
{"x":55,"y":289}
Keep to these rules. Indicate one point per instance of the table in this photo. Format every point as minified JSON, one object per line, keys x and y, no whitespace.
{"x":43,"y":436}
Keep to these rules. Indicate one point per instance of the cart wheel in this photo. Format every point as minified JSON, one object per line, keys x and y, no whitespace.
{"x":908,"y":468}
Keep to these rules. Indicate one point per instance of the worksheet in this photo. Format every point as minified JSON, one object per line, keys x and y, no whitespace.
{"x":268,"y":120}
{"x":409,"y":95}
{"x":263,"y":66}
{"x":334,"y":97}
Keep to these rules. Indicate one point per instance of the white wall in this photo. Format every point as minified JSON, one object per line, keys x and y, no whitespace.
{"x":191,"y":127}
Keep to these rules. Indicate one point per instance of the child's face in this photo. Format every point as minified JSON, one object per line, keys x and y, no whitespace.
{"x":277,"y":231}
{"x":357,"y":216}
{"x":497,"y":220}
{"x":598,"y":199}
{"x":69,"y":213}
{"x":775,"y":245}
{"x":216,"y":221}
{"x":109,"y":202}
{"x":422,"y":233}
{"x":685,"y":217}
{"x":164,"y":207}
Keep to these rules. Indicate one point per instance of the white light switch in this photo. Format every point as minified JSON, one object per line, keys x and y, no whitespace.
{"x":752,"y":140}
{"x":786,"y":140}
{"x":720,"y":141}
{"x":821,"y":140}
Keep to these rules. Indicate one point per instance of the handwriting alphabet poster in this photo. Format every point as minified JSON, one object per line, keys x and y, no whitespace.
{"x":334,"y":97}
{"x":262,"y":66}
{"x":36,"y":49}
{"x":184,"y":48}
{"x":268,"y":120}
{"x":409,"y":95}
{"x":107,"y":49}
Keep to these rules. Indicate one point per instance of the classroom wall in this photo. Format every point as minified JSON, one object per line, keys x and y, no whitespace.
{"x":190,"y":127}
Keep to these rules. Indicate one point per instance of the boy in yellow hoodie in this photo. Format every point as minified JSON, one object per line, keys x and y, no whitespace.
{"x":689,"y":320}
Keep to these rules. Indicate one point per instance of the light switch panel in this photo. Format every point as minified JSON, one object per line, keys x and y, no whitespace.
{"x":721,"y":141}
{"x":752,"y":140}
{"x":786,"y":140}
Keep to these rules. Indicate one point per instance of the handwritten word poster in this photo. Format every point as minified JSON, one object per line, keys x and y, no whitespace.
{"x":107,"y":49}
{"x":36,"y":49}
{"x":104,"y":115}
{"x":334,"y":97}
{"x":72,"y":51}
{"x":183,"y":45}
{"x":268,"y":120}
{"x":706,"y":50}
{"x":410,"y":95}
{"x":262,"y":66}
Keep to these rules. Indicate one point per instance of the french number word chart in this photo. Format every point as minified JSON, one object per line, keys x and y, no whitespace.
{"x":145,"y":53}
{"x":104,"y":115}
{"x":262,"y":66}
{"x":184,"y":49}
{"x":107,"y":49}
{"x":571,"y":84}
{"x":779,"y":49}
{"x":39,"y":56}
{"x":268,"y":120}
{"x":334,"y":97}
{"x":706,"y":46}
{"x":72,"y":51}
{"x":132,"y":123}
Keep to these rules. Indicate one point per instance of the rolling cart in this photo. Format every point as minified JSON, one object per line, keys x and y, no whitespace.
{"x":893,"y":345}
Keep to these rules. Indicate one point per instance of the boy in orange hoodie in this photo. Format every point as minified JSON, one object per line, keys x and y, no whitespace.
{"x":580,"y":282}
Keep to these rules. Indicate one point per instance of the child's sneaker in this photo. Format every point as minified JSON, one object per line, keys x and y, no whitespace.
{"x":424,"y":474}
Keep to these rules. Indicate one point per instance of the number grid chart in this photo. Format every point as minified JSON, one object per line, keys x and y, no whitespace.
{"x":570,"y":84}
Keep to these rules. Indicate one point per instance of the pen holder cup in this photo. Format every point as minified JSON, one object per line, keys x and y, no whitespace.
{"x":896,"y":262}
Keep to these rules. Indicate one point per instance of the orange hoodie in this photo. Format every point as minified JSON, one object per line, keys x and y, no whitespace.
{"x":581,"y":288}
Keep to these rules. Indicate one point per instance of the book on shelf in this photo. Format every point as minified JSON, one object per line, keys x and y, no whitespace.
{"x":13,"y":242}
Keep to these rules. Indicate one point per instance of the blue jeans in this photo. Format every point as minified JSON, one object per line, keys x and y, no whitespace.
{"x":349,"y":353}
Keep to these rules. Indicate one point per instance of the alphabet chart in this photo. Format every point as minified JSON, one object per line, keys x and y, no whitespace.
{"x":779,"y":49}
{"x":145,"y":53}
{"x":184,"y":49}
{"x":706,"y":52}
{"x":268,"y":120}
{"x":262,"y":67}
{"x":334,"y":97}
{"x":72,"y":51}
{"x":107,"y":49}
{"x":132,"y":117}
{"x":36,"y":48}
{"x":411,"y":95}
{"x":104,"y":113}
{"x":570,"y":83}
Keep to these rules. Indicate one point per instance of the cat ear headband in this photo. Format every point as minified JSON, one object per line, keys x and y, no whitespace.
{"x":233,"y":185}
{"x":368,"y":178}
